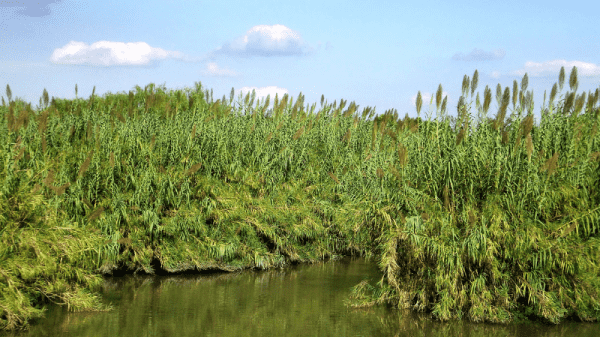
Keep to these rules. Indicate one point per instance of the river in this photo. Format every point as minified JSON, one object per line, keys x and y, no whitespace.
{"x":301,"y":300}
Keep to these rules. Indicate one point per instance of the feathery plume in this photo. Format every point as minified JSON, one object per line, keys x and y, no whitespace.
{"x":487,"y":99}
{"x":8,"y":93}
{"x":465,"y":85}
{"x":553,"y":93}
{"x":573,"y":82}
{"x":438,"y":96}
{"x":561,"y":78}
{"x":46,"y":98}
{"x":419,"y":102}
{"x":524,"y":82}
{"x":474,"y":82}
{"x":444,"y":103}
{"x":499,"y":94}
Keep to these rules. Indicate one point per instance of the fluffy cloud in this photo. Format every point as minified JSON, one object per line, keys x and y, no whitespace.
{"x":552,"y":68}
{"x":480,"y":55}
{"x":265,"y":91}
{"x":213,"y":69}
{"x":107,"y":53}
{"x":263,"y":40}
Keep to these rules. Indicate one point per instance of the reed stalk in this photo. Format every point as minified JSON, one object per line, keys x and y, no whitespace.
{"x":490,"y":221}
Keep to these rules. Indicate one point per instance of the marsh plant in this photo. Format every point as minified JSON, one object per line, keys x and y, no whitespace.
{"x":476,"y":217}
{"x":499,"y":218}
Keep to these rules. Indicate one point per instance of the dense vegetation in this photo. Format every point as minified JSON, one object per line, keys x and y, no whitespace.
{"x":489,"y":219}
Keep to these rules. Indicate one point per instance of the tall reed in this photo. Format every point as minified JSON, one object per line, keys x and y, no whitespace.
{"x":503,"y":224}
{"x":487,"y":218}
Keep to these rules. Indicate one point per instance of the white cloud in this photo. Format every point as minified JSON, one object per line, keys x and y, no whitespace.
{"x":426,"y":96}
{"x":213,"y":69}
{"x":480,"y":55}
{"x":107,"y":53}
{"x":263,"y":40}
{"x":265,"y":91}
{"x":495,"y":74}
{"x":552,"y":68}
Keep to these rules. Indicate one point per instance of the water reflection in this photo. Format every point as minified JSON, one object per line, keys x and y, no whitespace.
{"x":305,"y":300}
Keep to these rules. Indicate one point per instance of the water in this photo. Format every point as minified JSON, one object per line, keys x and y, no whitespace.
{"x":303,"y":300}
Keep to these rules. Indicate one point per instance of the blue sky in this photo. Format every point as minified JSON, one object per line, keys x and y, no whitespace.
{"x":376,"y":53}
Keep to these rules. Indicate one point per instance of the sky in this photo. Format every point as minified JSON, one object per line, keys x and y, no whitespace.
{"x":376,"y":53}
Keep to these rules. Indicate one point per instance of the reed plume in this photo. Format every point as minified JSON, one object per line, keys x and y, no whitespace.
{"x":474,"y":82}
{"x":561,"y":78}
{"x":573,"y":82}
{"x":438,"y":97}
{"x":419,"y":102}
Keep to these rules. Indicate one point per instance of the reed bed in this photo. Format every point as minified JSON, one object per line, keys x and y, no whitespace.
{"x":488,"y":219}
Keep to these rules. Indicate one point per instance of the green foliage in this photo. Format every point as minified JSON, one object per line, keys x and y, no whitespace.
{"x":489,"y":220}
{"x":43,"y":256}
{"x":508,"y":233}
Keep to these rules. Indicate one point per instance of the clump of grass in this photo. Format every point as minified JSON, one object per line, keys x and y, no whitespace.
{"x":44,"y":257}
{"x":500,"y":236}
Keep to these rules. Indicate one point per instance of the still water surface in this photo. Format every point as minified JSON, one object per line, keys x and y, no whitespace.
{"x":302,"y":300}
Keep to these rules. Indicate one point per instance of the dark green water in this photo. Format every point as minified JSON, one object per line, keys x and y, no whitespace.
{"x":304,"y":300}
